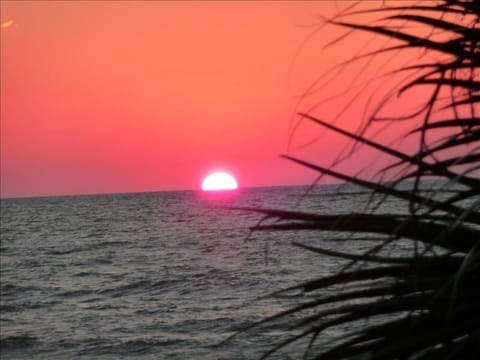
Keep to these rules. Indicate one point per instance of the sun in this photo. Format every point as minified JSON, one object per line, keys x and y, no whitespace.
{"x":219,"y":181}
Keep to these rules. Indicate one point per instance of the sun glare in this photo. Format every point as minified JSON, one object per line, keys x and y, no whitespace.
{"x":219,"y":181}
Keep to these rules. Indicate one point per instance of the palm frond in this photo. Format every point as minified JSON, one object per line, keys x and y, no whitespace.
{"x":423,"y":303}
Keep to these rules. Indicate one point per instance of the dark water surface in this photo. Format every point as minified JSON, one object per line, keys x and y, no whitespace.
{"x":151,"y":275}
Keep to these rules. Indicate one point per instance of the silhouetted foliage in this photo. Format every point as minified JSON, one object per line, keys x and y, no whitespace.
{"x":424,"y":305}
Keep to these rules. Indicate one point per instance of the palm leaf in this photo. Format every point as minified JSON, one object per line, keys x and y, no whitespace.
{"x":425,"y":303}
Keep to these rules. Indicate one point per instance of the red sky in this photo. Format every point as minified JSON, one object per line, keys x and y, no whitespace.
{"x":100,"y":97}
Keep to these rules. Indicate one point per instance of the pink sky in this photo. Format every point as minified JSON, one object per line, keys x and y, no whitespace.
{"x":101,"y":97}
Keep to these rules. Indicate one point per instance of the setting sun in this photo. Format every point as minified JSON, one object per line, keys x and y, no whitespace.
{"x":219,"y":181}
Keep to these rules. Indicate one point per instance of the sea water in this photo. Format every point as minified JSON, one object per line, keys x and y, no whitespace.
{"x":166,"y":275}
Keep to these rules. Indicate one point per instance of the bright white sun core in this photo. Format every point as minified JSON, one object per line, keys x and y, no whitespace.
{"x":219,"y":181}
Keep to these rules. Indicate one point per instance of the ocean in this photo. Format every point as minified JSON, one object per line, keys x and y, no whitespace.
{"x":165,"y":275}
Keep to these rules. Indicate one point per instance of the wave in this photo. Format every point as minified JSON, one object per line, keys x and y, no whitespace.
{"x":133,"y":347}
{"x":15,"y":342}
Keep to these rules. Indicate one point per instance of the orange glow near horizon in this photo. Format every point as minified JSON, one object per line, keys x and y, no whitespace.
{"x":118,"y":96}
